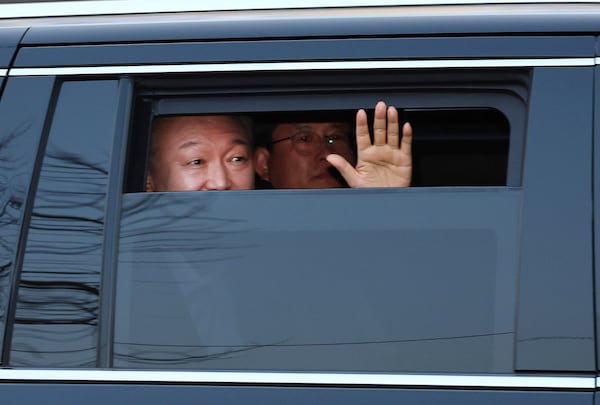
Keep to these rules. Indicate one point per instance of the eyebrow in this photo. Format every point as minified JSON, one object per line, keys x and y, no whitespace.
{"x":189,"y":144}
{"x":332,"y":125}
{"x":240,"y":141}
{"x":340,"y":125}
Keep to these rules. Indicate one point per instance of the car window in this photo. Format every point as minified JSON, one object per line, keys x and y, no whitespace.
{"x":57,"y":309}
{"x":22,"y":113}
{"x":469,"y":125}
{"x":318,"y":280}
{"x":417,"y":279}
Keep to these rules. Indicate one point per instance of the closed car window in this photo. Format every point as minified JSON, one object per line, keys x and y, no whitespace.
{"x":57,"y":310}
{"x":22,"y":112}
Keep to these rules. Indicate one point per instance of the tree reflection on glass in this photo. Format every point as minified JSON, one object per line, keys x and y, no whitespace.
{"x":57,"y":311}
{"x":16,"y":162}
{"x":285,"y":280}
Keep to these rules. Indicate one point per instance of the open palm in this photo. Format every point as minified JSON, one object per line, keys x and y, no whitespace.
{"x":387,"y":162}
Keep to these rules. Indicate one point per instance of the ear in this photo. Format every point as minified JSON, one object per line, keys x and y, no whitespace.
{"x":149,"y":182}
{"x":261,"y":162}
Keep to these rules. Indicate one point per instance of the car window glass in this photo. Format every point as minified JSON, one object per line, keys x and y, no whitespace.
{"x":389,"y":280}
{"x":57,"y":308}
{"x":22,"y":113}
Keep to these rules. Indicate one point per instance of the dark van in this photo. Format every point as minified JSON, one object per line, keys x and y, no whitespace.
{"x":475,"y":284}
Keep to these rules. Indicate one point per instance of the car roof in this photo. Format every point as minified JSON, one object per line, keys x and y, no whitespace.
{"x":129,"y":21}
{"x":44,"y":8}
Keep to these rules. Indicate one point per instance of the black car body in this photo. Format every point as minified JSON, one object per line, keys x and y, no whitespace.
{"x":475,"y":285}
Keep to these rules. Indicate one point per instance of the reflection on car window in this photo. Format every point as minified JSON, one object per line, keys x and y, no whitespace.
{"x":57,"y":309}
{"x":236,"y":281}
{"x":19,"y":137}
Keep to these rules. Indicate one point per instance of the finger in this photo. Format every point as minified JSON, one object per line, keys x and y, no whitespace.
{"x":407,"y":136}
{"x":379,"y":124}
{"x":363,"y":139}
{"x":393,"y":128}
{"x":347,"y":171}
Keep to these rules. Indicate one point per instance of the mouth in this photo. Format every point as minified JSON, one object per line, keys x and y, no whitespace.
{"x":322,"y":175}
{"x":331,"y":176}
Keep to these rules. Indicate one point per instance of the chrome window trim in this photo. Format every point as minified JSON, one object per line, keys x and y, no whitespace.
{"x":309,"y":378}
{"x":299,"y":66}
{"x":111,"y":7}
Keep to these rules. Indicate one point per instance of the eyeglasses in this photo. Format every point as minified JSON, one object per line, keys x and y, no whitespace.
{"x":307,"y":142}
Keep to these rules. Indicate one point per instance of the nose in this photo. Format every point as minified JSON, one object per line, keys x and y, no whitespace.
{"x":218,"y":177}
{"x":320,"y":146}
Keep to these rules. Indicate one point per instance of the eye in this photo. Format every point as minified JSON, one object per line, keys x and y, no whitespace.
{"x":195,"y":162}
{"x":239,"y":159}
{"x":335,"y":138}
{"x":304,"y":138}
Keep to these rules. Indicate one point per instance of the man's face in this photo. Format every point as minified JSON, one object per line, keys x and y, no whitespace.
{"x":200,"y":153}
{"x":294,"y":166}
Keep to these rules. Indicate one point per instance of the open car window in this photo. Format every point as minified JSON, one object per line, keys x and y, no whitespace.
{"x":468,"y":125}
{"x":417,"y":279}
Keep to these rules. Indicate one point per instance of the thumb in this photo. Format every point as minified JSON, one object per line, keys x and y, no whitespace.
{"x":344,"y":167}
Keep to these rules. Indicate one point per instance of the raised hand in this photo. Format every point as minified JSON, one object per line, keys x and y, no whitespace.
{"x":387,"y":162}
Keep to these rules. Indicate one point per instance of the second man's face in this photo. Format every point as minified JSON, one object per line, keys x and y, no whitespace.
{"x":299,"y":162}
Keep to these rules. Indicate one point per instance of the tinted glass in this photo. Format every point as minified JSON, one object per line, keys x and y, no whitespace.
{"x":556,"y":319}
{"x":57,"y":310}
{"x":22,"y":113}
{"x":339,"y":280}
